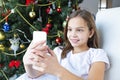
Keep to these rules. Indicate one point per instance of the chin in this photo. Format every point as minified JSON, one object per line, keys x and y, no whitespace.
{"x":74,"y":45}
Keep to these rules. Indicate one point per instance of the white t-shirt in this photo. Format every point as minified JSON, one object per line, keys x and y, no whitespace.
{"x":78,"y":64}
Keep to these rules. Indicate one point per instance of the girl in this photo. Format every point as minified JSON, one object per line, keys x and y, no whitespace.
{"x":79,"y":59}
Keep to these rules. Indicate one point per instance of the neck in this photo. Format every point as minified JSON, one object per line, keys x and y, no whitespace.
{"x":78,"y":50}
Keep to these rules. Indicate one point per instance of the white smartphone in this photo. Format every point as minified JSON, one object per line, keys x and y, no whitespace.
{"x":39,"y":36}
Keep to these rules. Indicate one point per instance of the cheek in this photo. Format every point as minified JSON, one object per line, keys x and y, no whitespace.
{"x":83,"y":37}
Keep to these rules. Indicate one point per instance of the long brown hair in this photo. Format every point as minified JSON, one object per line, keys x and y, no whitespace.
{"x":92,"y":42}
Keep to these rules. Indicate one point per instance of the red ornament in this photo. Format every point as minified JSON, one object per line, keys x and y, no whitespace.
{"x":58,"y":40}
{"x":49,"y":10}
{"x":29,"y":2}
{"x":1,"y":65}
{"x":49,"y":25}
{"x":59,"y":10}
{"x":14,"y":63}
{"x":17,"y":63}
{"x":46,"y":30}
{"x":11,"y":64}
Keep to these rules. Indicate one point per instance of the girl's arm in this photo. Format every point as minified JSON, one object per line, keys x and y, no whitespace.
{"x":30,"y":57}
{"x":96,"y":73}
{"x":28,"y":65}
{"x":64,"y":74}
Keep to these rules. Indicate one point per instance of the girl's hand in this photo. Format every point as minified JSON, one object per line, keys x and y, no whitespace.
{"x":33,"y":49}
{"x":48,"y":64}
{"x":31,"y":56}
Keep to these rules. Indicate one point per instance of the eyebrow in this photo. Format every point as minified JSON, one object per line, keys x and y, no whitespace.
{"x":77,"y":27}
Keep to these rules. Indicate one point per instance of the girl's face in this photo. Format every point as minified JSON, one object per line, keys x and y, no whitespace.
{"x":78,"y":32}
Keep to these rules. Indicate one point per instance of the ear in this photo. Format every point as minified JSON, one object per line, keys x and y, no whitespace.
{"x":91,"y":33}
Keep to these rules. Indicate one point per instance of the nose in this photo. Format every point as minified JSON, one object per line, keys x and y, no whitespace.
{"x":74,"y":33}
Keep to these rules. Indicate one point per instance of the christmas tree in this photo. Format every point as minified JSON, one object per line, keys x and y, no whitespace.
{"x":18,"y":20}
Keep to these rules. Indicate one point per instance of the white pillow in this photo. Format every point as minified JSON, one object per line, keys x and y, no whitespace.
{"x":108,"y":25}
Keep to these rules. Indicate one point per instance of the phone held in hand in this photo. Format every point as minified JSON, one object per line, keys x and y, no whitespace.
{"x":39,"y":36}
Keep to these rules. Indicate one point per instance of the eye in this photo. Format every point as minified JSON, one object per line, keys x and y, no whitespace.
{"x":69,"y":29}
{"x":80,"y":30}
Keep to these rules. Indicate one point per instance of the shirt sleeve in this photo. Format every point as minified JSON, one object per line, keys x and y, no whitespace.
{"x":101,"y":55}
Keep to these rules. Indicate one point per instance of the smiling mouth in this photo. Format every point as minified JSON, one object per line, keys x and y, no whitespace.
{"x":74,"y":40}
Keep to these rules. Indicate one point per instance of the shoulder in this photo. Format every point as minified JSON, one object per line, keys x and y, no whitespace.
{"x":98,"y":54}
{"x":98,"y":50}
{"x":58,"y":49}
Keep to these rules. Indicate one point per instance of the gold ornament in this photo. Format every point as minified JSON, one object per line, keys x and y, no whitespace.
{"x":32,"y":14}
{"x":2,"y":35}
{"x":2,"y":47}
{"x":15,"y":35}
{"x":22,"y":46}
{"x":9,"y":49}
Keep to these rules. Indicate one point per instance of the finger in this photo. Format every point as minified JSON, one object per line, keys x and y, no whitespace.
{"x":42,"y":51}
{"x":38,"y":68}
{"x":39,"y":53}
{"x":28,"y":58}
{"x":41,"y":48}
{"x":37,"y":58}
